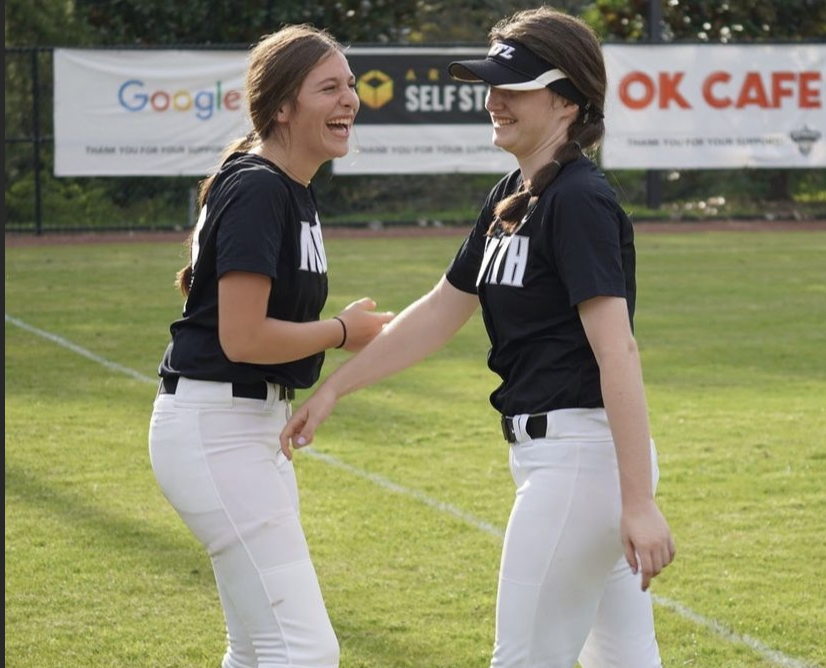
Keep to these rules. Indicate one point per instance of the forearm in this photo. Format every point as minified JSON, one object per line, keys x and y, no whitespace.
{"x":274,"y":341}
{"x":418,"y":331}
{"x":624,"y":397}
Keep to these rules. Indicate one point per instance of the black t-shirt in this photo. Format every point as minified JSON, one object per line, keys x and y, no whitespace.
{"x":257,"y":220}
{"x":575,"y":244}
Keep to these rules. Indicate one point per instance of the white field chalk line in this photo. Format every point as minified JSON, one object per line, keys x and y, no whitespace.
{"x":772,"y":656}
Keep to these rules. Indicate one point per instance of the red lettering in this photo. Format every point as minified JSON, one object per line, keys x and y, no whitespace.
{"x":159,"y":101}
{"x":779,"y":91}
{"x":708,"y":92}
{"x":809,"y":93}
{"x":668,"y":90}
{"x":752,"y":92}
{"x":625,"y":92}
{"x":232,"y":100}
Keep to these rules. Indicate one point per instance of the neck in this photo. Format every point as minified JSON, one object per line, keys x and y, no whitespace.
{"x":544,"y":153}
{"x":280,"y":161}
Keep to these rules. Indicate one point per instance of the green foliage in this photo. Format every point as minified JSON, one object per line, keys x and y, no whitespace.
{"x":164,"y":202}
{"x":711,"y":21}
{"x":48,"y":23}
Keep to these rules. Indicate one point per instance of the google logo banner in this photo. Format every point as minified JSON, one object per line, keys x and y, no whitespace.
{"x":151,"y":112}
{"x":146,"y":112}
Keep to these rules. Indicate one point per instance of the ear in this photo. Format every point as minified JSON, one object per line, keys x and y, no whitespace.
{"x":569,"y":108}
{"x":283,"y":114}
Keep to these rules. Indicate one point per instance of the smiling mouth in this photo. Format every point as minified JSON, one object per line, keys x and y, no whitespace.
{"x":502,"y":122}
{"x":341,"y":126}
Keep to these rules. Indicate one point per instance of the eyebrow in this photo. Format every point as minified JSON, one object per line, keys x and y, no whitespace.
{"x":351,"y":77}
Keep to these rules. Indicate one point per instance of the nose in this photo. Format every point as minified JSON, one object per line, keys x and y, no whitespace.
{"x":351,"y":99}
{"x":494,"y":99}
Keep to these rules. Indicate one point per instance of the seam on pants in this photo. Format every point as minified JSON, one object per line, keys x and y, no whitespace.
{"x":564,"y":527}
{"x":199,"y":412}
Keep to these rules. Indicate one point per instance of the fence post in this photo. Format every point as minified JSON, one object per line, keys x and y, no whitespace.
{"x":653,"y":182}
{"x":192,"y":216}
{"x":38,"y":208}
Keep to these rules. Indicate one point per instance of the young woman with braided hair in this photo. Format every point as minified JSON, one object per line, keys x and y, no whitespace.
{"x":551,"y":260}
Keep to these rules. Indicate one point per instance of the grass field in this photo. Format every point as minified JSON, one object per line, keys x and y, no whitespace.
{"x":406,"y":492}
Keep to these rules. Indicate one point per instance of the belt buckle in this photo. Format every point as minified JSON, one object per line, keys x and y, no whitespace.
{"x":507,"y":429}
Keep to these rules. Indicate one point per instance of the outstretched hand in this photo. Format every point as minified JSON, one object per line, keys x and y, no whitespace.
{"x":362,"y":323}
{"x":300,"y":428}
{"x":647,"y":541}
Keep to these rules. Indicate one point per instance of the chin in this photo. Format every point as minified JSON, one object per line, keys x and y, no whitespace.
{"x":498,"y":141}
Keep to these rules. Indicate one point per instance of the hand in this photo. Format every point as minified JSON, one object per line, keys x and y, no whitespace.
{"x":300,"y":428}
{"x":647,"y":541}
{"x":362,"y":323}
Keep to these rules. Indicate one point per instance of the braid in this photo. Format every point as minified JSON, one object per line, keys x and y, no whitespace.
{"x":583,"y":135}
{"x":511,"y":210}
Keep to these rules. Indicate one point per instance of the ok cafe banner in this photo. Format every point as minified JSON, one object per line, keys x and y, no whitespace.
{"x":163,"y":112}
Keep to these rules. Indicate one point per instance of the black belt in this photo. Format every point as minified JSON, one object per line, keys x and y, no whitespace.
{"x":241,"y":390}
{"x":536,"y":426}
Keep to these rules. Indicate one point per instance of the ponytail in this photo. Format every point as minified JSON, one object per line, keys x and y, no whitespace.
{"x":183,"y":278}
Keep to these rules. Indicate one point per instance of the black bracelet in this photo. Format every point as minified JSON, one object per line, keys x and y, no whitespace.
{"x":343,"y":332}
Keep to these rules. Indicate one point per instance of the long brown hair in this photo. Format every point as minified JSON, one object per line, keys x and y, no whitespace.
{"x":572,"y":46}
{"x":278,"y":65}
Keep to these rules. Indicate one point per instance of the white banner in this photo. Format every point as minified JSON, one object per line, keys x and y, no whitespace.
{"x":170,"y":112}
{"x":715,"y":106}
{"x":423,"y":149}
{"x":146,"y":113}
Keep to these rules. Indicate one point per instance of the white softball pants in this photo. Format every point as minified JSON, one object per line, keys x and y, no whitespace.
{"x":218,"y":462}
{"x":566,"y":591}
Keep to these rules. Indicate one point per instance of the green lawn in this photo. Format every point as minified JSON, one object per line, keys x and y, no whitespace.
{"x":406,"y":491}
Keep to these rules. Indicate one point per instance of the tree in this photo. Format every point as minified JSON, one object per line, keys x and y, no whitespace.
{"x":712,"y":21}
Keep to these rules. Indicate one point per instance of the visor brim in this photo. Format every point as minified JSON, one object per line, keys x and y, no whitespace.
{"x":492,"y":73}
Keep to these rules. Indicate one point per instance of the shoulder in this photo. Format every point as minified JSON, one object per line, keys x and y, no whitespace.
{"x":250,"y":174}
{"x":507,"y":185}
{"x":580,"y":184}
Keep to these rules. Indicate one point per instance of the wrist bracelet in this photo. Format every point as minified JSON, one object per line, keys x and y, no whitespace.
{"x":343,"y":332}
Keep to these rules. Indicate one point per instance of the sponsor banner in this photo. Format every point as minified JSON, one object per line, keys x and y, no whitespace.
{"x":171,"y":112}
{"x":715,"y":106}
{"x":415,"y":119}
{"x":146,"y":113}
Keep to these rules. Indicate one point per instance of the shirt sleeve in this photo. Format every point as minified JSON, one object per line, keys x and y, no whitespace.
{"x":586,"y":245}
{"x":464,"y":268}
{"x":252,"y":224}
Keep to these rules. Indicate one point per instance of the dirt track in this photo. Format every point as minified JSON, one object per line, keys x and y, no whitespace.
{"x":331,"y":232}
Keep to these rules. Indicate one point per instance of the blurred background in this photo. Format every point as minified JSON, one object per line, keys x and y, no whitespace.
{"x":36,"y":201}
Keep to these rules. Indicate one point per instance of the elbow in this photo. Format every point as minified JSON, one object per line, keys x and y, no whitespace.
{"x":616,"y":350}
{"x":235,"y":348}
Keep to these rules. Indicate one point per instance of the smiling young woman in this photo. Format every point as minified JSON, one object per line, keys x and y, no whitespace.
{"x":251,"y":333}
{"x":551,"y":262}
